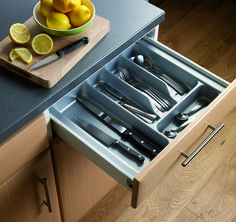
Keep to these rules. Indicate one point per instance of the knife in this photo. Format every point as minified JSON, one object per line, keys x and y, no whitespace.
{"x":58,"y":54}
{"x":125,"y":132}
{"x":108,"y":140}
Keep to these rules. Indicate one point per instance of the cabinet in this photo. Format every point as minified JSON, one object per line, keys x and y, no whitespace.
{"x":81,"y":184}
{"x":26,"y":176}
{"x":22,"y":196}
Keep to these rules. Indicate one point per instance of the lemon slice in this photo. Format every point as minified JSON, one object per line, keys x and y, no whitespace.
{"x":13,"y":55}
{"x":42,"y":44}
{"x":21,"y":53}
{"x":19,"y":33}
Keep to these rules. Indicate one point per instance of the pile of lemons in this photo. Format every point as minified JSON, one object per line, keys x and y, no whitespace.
{"x":63,"y":14}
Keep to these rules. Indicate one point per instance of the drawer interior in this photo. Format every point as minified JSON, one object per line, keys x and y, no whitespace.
{"x":65,"y":113}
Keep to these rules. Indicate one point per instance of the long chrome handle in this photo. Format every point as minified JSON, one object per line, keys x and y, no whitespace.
{"x":204,"y":143}
{"x":48,"y":200}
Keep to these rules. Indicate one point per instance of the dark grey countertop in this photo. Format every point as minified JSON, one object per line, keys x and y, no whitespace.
{"x":22,"y":100}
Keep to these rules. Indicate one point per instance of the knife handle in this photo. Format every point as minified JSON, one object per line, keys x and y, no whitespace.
{"x":140,"y":142}
{"x":133,"y":153}
{"x":72,"y":46}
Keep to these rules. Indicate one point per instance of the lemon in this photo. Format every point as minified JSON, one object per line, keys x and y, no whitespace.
{"x":80,"y":16}
{"x":42,"y":44}
{"x":64,"y":6}
{"x":22,"y":53}
{"x":19,"y":33}
{"x":57,"y":20}
{"x":46,"y":7}
{"x":13,"y":55}
{"x":78,"y":4}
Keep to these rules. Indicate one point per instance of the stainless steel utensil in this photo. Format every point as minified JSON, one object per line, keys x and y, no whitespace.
{"x":161,"y":103}
{"x":108,"y":140}
{"x":140,"y":112}
{"x":172,"y":133}
{"x":182,"y":117}
{"x":127,"y":104}
{"x":125,"y":132}
{"x":144,"y":62}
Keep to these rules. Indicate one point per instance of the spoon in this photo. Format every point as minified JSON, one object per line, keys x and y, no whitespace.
{"x":172,"y":133}
{"x":182,"y":117}
{"x":148,"y":65}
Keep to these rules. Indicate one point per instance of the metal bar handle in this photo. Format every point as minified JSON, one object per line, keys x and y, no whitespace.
{"x":48,"y":200}
{"x":204,"y":143}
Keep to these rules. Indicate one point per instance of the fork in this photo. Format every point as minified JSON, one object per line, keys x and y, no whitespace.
{"x":162,"y":104}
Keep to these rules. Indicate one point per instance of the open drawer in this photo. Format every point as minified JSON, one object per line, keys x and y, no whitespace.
{"x":67,"y":113}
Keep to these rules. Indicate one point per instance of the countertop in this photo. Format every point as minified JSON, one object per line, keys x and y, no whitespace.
{"x":22,"y":100}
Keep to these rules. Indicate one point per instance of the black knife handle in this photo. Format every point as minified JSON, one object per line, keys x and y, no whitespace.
{"x":140,"y":142}
{"x":126,"y":149}
{"x":72,"y":46}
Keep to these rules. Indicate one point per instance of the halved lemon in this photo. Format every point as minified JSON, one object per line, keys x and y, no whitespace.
{"x":42,"y":44}
{"x":21,"y":53}
{"x":19,"y":33}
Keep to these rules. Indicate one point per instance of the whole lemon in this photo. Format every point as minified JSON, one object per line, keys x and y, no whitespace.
{"x":57,"y":20}
{"x":46,"y":7}
{"x":80,"y":16}
{"x":64,"y":6}
{"x":78,"y":4}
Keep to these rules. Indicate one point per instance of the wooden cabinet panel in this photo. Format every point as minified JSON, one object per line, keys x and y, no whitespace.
{"x":168,"y":164}
{"x":22,"y":196}
{"x":22,"y":147}
{"x":80,"y":183}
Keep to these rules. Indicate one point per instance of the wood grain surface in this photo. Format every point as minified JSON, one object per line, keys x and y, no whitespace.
{"x":203,"y":31}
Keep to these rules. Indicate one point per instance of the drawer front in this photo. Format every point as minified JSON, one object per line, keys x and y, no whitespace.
{"x":167,"y":168}
{"x":22,"y":147}
{"x":67,"y":113}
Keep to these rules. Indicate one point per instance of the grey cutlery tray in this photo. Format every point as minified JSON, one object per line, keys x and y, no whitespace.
{"x":65,"y":112}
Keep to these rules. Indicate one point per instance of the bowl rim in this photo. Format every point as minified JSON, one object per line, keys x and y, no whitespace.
{"x":58,"y":30}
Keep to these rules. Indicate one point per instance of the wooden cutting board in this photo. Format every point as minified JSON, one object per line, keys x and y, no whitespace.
{"x":48,"y":75}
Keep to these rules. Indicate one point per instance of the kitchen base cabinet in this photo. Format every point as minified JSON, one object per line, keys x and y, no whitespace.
{"x":22,"y":197}
{"x":80,"y":183}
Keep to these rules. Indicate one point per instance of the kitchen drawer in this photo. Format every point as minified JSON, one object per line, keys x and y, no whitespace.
{"x":65,"y":114}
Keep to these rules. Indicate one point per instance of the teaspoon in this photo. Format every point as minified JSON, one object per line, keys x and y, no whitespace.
{"x":182,"y":117}
{"x":172,"y":133}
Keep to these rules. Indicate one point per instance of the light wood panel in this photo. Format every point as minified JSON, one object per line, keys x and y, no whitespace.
{"x":22,"y":147}
{"x":22,"y":196}
{"x":80,"y":183}
{"x":110,"y":207}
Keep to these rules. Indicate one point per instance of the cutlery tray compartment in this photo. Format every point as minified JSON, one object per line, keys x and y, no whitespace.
{"x":201,"y":85}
